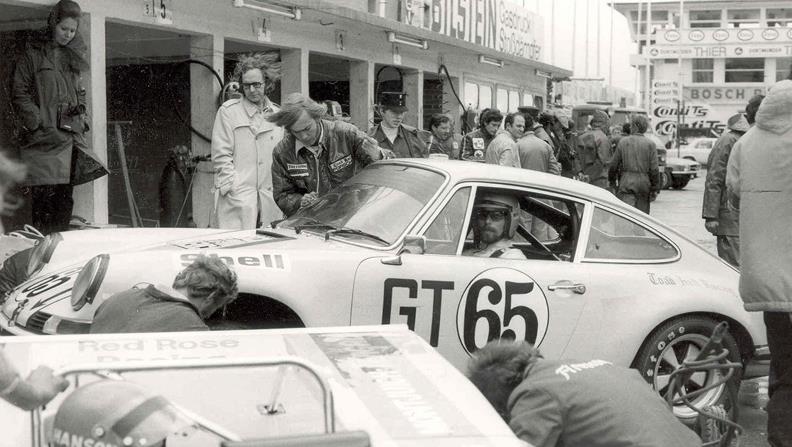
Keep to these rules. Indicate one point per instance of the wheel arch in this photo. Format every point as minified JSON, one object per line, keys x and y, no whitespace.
{"x":740,"y":333}
{"x":258,"y":311}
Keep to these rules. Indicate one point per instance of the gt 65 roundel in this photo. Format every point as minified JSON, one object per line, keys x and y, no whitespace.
{"x":501,"y":303}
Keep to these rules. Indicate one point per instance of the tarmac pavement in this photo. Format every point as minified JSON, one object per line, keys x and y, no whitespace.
{"x":681,"y":209}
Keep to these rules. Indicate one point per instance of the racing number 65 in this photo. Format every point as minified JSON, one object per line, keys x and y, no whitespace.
{"x":493,"y":319}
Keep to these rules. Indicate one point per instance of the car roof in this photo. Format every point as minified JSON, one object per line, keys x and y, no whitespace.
{"x":460,"y":171}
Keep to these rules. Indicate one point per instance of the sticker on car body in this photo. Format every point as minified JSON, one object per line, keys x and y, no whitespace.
{"x":501,"y":303}
{"x":45,"y":290}
{"x":232,"y":242}
{"x":275,"y":261}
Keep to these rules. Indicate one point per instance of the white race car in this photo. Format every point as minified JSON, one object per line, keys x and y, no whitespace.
{"x":601,"y":280}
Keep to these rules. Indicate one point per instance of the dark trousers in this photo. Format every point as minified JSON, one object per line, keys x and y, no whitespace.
{"x":729,"y":249}
{"x":52,"y":207}
{"x":640,"y":201}
{"x":779,"y":409}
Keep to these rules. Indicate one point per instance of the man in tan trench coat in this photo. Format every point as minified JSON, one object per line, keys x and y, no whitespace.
{"x":242,"y":145}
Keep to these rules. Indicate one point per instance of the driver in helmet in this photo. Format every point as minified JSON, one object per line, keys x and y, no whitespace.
{"x":115,"y":413}
{"x":494,"y":222}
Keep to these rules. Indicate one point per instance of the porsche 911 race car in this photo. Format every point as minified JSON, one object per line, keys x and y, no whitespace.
{"x":601,"y":279}
{"x":381,"y":386}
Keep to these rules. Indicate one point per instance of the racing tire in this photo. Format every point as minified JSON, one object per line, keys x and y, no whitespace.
{"x":679,"y":183}
{"x":682,"y":339}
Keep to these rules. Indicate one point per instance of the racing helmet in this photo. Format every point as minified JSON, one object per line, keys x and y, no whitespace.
{"x":499,"y":201}
{"x":115,"y":413}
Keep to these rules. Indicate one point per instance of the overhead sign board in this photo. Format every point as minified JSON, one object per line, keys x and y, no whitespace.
{"x":723,"y":94}
{"x":717,"y":36}
{"x":665,"y":91}
{"x":497,"y":24}
{"x":779,"y":49}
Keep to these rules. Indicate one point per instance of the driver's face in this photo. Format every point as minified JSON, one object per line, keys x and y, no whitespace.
{"x":491,"y":224}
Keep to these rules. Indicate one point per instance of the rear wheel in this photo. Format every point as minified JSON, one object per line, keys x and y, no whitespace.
{"x":668,"y":180}
{"x":679,"y":182}
{"x":681,"y":340}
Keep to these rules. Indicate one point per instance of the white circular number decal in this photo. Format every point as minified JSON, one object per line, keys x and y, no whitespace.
{"x":501,"y":303}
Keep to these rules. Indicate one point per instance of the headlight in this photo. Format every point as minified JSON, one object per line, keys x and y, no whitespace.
{"x":88,"y":281}
{"x":42,"y":253}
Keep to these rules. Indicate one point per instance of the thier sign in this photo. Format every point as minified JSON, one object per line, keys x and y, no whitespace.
{"x":711,"y":51}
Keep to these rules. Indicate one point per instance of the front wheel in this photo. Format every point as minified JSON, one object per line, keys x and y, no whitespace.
{"x":679,"y":182}
{"x":680,"y":340}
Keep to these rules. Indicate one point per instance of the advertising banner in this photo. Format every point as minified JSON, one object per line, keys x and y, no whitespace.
{"x":497,"y":24}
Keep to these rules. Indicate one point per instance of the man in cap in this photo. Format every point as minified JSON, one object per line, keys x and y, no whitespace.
{"x":719,"y":219}
{"x":391,"y":133}
{"x":494,"y":222}
{"x":197,"y":292}
{"x":316,"y":155}
{"x":594,"y":150}
{"x":634,"y":165}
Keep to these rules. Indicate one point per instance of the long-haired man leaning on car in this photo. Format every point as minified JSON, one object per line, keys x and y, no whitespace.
{"x":198,"y":291}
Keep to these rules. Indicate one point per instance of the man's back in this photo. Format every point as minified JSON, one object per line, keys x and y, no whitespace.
{"x":591,"y":404}
{"x":146,"y":310}
{"x":534,"y":153}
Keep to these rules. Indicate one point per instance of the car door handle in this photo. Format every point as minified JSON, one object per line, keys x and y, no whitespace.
{"x":580,"y":289}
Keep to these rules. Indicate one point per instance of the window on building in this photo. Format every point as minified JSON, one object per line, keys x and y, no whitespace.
{"x":659,"y":21}
{"x":502,"y":100}
{"x":706,"y":18}
{"x":779,"y":17}
{"x":514,"y":101}
{"x":783,"y":68}
{"x":745,"y":70}
{"x":703,"y":70}
{"x":471,"y":95}
{"x":485,"y":97}
{"x":742,"y":18}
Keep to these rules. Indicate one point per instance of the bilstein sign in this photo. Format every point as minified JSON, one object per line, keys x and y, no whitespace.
{"x":496,"y":24}
{"x":722,"y":95}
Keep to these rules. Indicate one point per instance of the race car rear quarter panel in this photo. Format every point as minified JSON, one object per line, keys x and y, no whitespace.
{"x":385,"y":380}
{"x":628,"y":301}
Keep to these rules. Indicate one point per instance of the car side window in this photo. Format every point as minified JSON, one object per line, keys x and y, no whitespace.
{"x":616,"y":238}
{"x":442,"y":237}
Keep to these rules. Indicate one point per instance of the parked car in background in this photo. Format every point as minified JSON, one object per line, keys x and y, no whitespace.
{"x":679,"y":171}
{"x":696,"y":149}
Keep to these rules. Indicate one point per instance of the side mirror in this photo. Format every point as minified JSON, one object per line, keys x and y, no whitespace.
{"x":414,"y":244}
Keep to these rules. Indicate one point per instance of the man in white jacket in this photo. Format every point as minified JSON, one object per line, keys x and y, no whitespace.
{"x":759,"y":182}
{"x":242,"y":145}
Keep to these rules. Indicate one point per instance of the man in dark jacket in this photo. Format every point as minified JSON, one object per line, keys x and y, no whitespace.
{"x":475,"y":144}
{"x":573,"y":404}
{"x":197,"y":292}
{"x":634,"y":164}
{"x":443,"y":139}
{"x":315,"y":155}
{"x":594,"y":150}
{"x":391,"y":133}
{"x":719,"y":219}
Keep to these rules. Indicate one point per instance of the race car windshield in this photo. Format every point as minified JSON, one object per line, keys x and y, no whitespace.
{"x":380,"y":201}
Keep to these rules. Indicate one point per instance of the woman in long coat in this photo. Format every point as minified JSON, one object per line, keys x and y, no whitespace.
{"x":51,"y":110}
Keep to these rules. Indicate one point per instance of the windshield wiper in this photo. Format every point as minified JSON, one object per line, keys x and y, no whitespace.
{"x":312,"y":223}
{"x":355,"y":232}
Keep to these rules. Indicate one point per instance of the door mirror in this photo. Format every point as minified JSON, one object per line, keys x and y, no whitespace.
{"x":414,"y":244}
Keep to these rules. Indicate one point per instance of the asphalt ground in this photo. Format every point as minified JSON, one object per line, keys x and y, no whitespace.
{"x":681,"y":209}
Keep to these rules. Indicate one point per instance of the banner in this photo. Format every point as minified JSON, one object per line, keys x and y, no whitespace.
{"x":496,"y":24}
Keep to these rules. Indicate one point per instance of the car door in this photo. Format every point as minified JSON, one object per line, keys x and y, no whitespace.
{"x":458,"y":303}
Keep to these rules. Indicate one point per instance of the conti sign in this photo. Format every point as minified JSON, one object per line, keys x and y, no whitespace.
{"x":496,"y":24}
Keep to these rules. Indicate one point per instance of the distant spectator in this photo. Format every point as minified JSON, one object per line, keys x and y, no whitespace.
{"x":534,"y":153}
{"x":594,"y":150}
{"x":475,"y":144}
{"x":503,"y":148}
{"x":49,"y":101}
{"x":197,"y":292}
{"x":634,"y":166}
{"x":720,"y":220}
{"x":443,"y":139}
{"x":568,"y":403}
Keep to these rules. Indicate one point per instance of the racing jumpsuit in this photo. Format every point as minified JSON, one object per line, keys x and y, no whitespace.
{"x":297,"y":170}
{"x":635,"y":165}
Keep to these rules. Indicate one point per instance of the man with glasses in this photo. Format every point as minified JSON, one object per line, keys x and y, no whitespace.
{"x":242,"y":145}
{"x":494,"y":222}
{"x":316,"y":155}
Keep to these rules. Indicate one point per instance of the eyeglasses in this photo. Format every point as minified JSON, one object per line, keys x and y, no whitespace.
{"x":493,"y":215}
{"x":255,"y":85}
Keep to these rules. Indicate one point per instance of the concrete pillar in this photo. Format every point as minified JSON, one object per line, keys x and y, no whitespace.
{"x":452,"y":107}
{"x":204,"y":91}
{"x":90,"y":199}
{"x":413,"y":86}
{"x":361,"y":93}
{"x":294,"y":72}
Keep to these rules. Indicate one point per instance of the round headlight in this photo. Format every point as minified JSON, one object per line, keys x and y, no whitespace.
{"x":42,"y":253}
{"x":87,"y":283}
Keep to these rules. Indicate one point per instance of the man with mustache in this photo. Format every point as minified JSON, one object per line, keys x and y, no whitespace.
{"x":494,"y":222}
